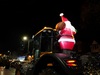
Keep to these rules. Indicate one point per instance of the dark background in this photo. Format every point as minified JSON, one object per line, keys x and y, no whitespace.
{"x":19,"y":18}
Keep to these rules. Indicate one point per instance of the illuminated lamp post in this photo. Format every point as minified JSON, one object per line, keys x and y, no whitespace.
{"x":25,"y":38}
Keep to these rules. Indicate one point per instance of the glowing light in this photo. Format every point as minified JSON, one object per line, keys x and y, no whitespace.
{"x":49,"y":64}
{"x":71,"y":63}
{"x":25,"y":38}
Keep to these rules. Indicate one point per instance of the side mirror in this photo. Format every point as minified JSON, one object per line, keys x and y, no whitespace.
{"x":32,"y":36}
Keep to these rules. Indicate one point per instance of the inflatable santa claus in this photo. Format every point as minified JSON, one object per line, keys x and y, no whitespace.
{"x":66,"y":33}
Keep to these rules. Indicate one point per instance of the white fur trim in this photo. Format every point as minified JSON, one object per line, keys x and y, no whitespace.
{"x":69,"y":25}
{"x":61,"y":14}
{"x":70,"y":40}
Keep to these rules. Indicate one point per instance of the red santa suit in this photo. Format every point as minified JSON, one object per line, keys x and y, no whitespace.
{"x":67,"y":39}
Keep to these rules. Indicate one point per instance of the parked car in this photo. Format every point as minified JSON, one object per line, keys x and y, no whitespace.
{"x":4,"y":61}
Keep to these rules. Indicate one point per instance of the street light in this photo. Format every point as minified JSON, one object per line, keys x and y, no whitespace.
{"x":25,"y":38}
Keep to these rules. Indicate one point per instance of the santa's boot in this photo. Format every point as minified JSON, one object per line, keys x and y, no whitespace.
{"x":68,"y":52}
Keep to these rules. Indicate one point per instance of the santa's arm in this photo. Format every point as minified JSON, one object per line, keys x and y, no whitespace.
{"x":73,"y":29}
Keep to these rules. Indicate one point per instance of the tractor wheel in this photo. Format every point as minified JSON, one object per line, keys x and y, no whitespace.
{"x":49,"y":71}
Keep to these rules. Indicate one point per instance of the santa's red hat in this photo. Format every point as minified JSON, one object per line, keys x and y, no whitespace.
{"x":63,"y":18}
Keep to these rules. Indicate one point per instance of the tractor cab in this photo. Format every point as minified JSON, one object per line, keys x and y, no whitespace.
{"x":45,"y":42}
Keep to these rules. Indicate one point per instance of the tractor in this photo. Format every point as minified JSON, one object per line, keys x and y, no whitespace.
{"x":48,"y":59}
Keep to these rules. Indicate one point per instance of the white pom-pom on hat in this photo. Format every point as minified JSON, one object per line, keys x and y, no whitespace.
{"x":61,"y":14}
{"x":63,"y":18}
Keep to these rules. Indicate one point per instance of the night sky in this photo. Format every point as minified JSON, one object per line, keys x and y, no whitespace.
{"x":18,"y":18}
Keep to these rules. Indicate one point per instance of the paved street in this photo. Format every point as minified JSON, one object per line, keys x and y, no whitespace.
{"x":4,"y":71}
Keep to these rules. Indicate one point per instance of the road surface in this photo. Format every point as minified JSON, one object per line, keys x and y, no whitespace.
{"x":10,"y":71}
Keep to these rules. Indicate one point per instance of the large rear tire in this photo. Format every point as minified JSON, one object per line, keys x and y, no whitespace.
{"x":49,"y":71}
